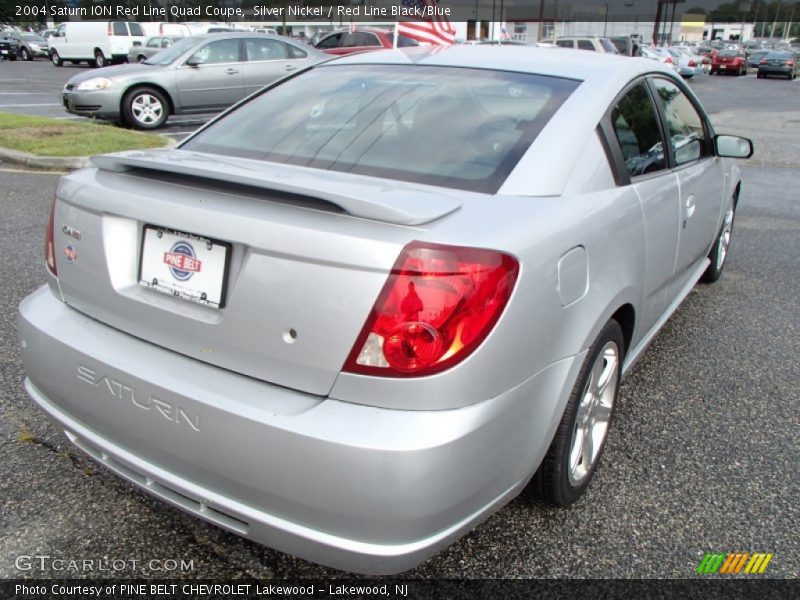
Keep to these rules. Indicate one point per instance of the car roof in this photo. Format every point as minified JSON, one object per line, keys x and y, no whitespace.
{"x":555,"y":153}
{"x":584,"y":66}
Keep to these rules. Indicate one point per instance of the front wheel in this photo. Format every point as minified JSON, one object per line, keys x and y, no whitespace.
{"x":575,"y":451}
{"x":25,"y":55}
{"x":145,"y":108}
{"x":56,"y":59}
{"x":719,"y":252}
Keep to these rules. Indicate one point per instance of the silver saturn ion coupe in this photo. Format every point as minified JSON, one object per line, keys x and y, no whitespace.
{"x":363,"y":309}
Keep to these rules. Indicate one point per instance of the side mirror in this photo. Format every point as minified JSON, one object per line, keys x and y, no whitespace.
{"x":733,"y":146}
{"x":194,"y":61}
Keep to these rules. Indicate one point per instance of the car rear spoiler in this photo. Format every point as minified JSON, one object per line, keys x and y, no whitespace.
{"x":395,"y":202}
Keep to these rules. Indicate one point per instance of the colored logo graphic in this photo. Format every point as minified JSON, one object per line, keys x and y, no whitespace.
{"x":70,"y":253}
{"x":181,"y":261}
{"x":735,"y":563}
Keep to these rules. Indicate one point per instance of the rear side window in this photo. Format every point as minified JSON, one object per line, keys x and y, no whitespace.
{"x":264,"y":49}
{"x":295,"y":52}
{"x":135,"y":28}
{"x":564,"y":43}
{"x":119,"y":28}
{"x":636,"y":128}
{"x":452,"y":127}
{"x":684,"y":124}
{"x":585,"y":45}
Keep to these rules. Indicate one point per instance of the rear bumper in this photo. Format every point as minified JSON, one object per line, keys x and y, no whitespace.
{"x":769,"y":70}
{"x":355,"y":487}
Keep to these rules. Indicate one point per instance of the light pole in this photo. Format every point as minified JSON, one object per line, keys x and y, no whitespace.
{"x":605,"y":20}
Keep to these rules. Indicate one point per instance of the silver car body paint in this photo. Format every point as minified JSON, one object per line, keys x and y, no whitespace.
{"x":217,"y":413}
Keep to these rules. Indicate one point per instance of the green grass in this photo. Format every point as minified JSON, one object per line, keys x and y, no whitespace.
{"x":51,"y":137}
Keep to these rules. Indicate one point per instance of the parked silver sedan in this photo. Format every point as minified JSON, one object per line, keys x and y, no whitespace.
{"x":358,"y":313}
{"x":196,"y":74}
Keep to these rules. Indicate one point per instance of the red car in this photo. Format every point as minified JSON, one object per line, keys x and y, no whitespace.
{"x":729,"y":61}
{"x":362,"y":39}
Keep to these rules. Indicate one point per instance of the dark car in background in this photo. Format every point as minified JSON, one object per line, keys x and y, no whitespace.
{"x":362,"y":39}
{"x":8,"y":47}
{"x":729,"y":61}
{"x":754,"y":58}
{"x":778,"y":63}
{"x":29,"y":45}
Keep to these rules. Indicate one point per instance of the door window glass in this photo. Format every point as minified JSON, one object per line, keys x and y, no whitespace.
{"x":221,"y":51}
{"x":585,"y":45}
{"x":636,"y":128}
{"x":684,"y":124}
{"x":119,"y":28}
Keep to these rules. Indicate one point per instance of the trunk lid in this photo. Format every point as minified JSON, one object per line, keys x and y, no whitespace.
{"x":308,"y":255}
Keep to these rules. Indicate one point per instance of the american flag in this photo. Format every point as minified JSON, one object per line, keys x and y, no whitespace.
{"x":435,"y":30}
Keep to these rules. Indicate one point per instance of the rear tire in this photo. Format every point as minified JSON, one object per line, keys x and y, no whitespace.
{"x":574,"y":453}
{"x":25,"y":55}
{"x":56,"y":59}
{"x":100,"y":60}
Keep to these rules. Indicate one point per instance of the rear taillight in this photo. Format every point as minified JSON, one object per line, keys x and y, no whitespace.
{"x":692,"y":63}
{"x":49,"y":241}
{"x":437,"y":306}
{"x":789,"y":63}
{"x":668,"y":60}
{"x":110,"y":29}
{"x":763,"y":61}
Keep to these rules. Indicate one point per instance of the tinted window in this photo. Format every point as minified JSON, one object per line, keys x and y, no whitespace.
{"x":120,"y":28}
{"x":564,"y":43}
{"x":135,"y":28}
{"x":454,"y":127}
{"x":636,"y":127}
{"x":332,"y":41}
{"x":585,"y":45}
{"x":684,"y":125}
{"x":264,"y":49}
{"x":221,"y":51}
{"x":360,"y":38}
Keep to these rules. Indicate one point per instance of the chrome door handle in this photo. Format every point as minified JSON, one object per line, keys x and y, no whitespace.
{"x":690,"y":206}
{"x":231,"y":71}
{"x":290,"y":67}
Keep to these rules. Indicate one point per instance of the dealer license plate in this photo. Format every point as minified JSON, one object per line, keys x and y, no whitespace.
{"x":184,"y":265}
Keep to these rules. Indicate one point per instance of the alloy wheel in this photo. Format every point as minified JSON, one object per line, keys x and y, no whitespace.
{"x":594,"y":414}
{"x":147,"y":109}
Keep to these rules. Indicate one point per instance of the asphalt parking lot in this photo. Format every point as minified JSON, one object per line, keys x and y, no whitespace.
{"x":701,"y":456}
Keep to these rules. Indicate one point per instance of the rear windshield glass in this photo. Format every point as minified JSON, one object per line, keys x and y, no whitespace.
{"x":452,"y":127}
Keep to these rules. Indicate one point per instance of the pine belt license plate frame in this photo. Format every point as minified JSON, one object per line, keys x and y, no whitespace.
{"x":170,"y":259}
